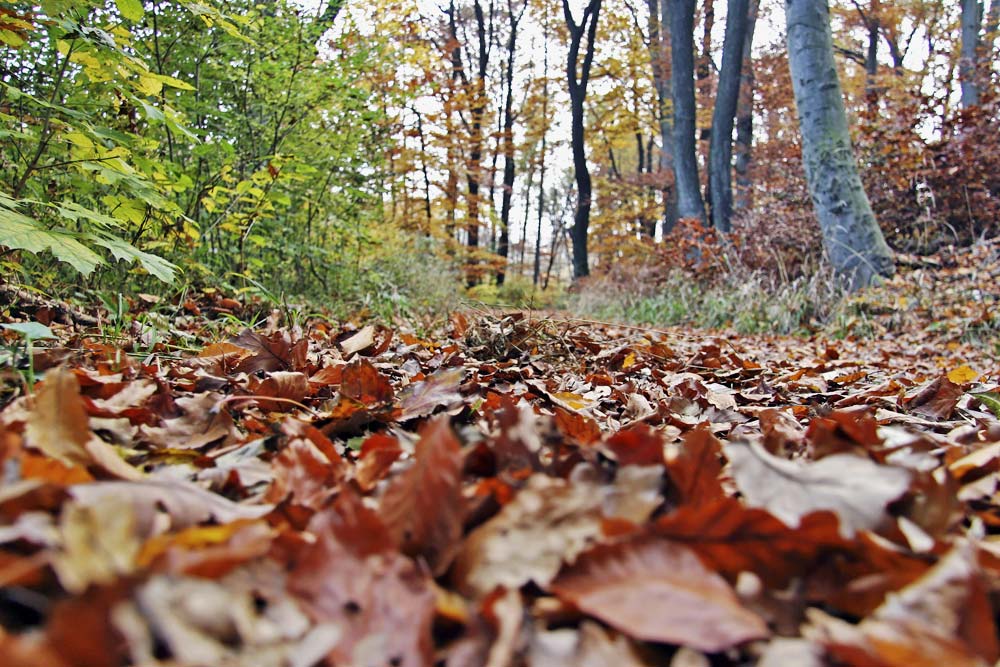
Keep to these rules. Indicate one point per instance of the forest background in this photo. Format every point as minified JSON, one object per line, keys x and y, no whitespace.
{"x":378,"y":158}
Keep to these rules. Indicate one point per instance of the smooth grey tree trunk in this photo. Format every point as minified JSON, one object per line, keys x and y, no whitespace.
{"x":689,"y":201}
{"x":744,"y":115}
{"x":851,"y":236}
{"x":720,"y":149}
{"x":659,"y":55}
{"x":972,"y":19}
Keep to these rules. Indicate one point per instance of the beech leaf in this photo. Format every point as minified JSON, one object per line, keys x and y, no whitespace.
{"x":659,"y":591}
{"x":855,"y":488}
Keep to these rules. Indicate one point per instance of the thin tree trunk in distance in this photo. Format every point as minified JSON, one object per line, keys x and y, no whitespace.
{"x":972,"y":18}
{"x":689,"y":201}
{"x":659,"y":55}
{"x":536,"y":275}
{"x":578,"y":75}
{"x":508,"y":143}
{"x":744,"y":116}
{"x":720,"y":151}
{"x":851,"y":235}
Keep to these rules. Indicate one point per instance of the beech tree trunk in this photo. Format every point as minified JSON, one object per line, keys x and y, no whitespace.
{"x":972,"y":19}
{"x":689,"y":201}
{"x":658,"y":20}
{"x":851,"y":235}
{"x":578,"y":75}
{"x":503,"y":248}
{"x":744,"y":115}
{"x":720,"y":150}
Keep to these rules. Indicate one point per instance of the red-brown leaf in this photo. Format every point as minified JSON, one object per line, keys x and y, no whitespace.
{"x":424,"y":506}
{"x":660,"y":591}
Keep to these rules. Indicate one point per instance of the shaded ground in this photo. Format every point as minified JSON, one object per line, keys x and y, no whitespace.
{"x":513,"y":491}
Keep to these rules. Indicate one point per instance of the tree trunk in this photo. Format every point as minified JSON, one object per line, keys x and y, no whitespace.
{"x":578,"y":75}
{"x":537,"y":268}
{"x":503,"y":248}
{"x":972,"y":18}
{"x":851,"y":235}
{"x":744,"y":115}
{"x":689,"y":201}
{"x":659,"y":55}
{"x":720,"y":151}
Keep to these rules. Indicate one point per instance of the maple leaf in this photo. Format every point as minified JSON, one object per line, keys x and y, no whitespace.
{"x":659,"y":591}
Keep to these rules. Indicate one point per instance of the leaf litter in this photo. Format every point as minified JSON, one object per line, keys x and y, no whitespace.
{"x":516,"y":491}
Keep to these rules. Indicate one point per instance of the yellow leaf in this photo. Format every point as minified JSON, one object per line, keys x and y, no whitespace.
{"x":78,"y":139}
{"x":629,"y":361}
{"x":568,"y":399}
{"x":962,"y":375}
{"x":149,"y":84}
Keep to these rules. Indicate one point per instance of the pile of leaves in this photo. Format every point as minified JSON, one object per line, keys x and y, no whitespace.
{"x":517,"y":491}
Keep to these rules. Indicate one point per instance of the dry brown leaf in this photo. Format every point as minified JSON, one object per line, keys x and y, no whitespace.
{"x":855,"y":488}
{"x":58,"y":425}
{"x":424,"y":507}
{"x":660,"y":591}
{"x":351,"y":577}
{"x":440,"y":390}
{"x":550,"y":521}
{"x":362,"y":340}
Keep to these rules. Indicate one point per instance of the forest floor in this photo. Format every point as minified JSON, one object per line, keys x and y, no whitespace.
{"x":514,"y":490}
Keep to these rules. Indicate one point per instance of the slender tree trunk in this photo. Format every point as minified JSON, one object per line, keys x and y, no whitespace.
{"x":720,"y":152}
{"x":536,"y":274}
{"x":972,"y":18}
{"x":851,"y":235}
{"x":689,"y":201}
{"x":744,"y":116}
{"x":659,"y":55}
{"x":578,"y":75}
{"x":503,"y":248}
{"x":423,"y":170}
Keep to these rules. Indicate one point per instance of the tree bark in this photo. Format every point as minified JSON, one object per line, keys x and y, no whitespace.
{"x":744,"y":116}
{"x":689,"y":201}
{"x":720,"y":151}
{"x":503,"y":248}
{"x":659,"y":55}
{"x":972,"y":18}
{"x":578,"y":75}
{"x":851,"y":235}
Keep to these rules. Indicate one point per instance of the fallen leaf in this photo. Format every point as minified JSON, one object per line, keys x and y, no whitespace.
{"x":351,"y":577}
{"x":854,"y":488}
{"x":184,"y":503}
{"x":58,"y":425}
{"x":962,"y":375}
{"x":731,"y":538}
{"x":359,"y":341}
{"x":695,"y":467}
{"x":360,"y":381}
{"x":936,"y":400}
{"x":422,"y":398}
{"x":550,"y":521}
{"x":423,"y":508}
{"x":659,"y":591}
